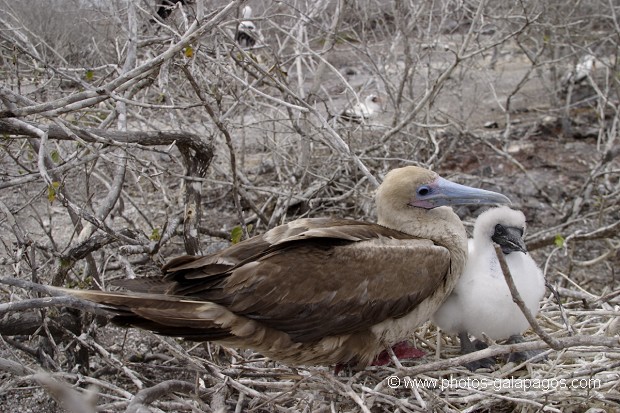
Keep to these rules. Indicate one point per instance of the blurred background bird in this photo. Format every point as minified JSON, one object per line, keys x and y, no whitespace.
{"x":363,"y":111}
{"x":580,"y":72}
{"x":247,"y":34}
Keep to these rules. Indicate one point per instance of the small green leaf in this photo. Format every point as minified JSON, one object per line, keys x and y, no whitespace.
{"x":559,"y":241}
{"x":52,"y":190}
{"x":55,"y":156}
{"x":89,"y":74}
{"x":189,"y":51}
{"x":236,"y":234}
{"x":155,"y":235}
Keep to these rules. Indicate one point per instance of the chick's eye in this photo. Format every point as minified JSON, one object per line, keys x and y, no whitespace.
{"x":500,"y":230}
{"x":424,"y":190}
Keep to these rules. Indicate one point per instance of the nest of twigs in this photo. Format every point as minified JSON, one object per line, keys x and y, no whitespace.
{"x":134,"y":371}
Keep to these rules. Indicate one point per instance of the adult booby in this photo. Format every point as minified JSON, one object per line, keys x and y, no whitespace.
{"x":363,"y":111}
{"x":316,"y":291}
{"x":246,"y":35}
{"x":481,"y":301}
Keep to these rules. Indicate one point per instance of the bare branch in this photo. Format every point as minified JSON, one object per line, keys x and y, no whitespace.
{"x":516,"y":297}
{"x":147,"y":396}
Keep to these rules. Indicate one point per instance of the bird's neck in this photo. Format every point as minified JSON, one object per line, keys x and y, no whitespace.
{"x":440,"y":225}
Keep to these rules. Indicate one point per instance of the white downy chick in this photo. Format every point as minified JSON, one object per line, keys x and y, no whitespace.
{"x":481,"y":301}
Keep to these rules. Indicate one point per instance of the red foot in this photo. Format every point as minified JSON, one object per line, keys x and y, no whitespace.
{"x":402,"y":351}
{"x":339,"y":368}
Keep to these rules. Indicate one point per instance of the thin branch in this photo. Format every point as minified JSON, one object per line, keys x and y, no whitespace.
{"x":231,"y":150}
{"x":109,"y":137}
{"x":46,"y":302}
{"x":147,"y":396}
{"x":516,"y":297}
{"x":18,"y":369}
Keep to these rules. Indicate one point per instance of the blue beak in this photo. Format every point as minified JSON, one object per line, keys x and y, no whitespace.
{"x":442,"y":192}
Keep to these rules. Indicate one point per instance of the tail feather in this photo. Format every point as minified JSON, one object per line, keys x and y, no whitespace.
{"x":164,"y":314}
{"x":207,"y":321}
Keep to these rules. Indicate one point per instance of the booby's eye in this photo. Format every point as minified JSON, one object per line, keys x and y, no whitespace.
{"x":500,"y":230}
{"x":424,"y":190}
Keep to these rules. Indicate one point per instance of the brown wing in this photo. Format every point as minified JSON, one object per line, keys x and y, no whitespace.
{"x":313,"y":278}
{"x":295,"y":230}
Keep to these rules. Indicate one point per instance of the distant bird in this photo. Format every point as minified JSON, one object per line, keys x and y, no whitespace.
{"x":247,"y":34}
{"x":316,"y":290}
{"x":481,"y":301}
{"x":166,"y":7}
{"x":362,"y":111}
{"x":580,"y":72}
